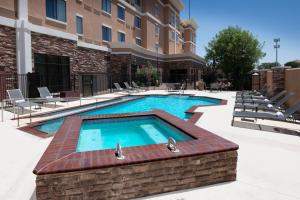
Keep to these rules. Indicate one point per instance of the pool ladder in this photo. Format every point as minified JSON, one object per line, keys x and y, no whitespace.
{"x":172,"y":145}
{"x":119,"y":153}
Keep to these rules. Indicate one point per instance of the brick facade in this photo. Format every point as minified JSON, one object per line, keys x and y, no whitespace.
{"x":255,"y":82}
{"x":138,"y":180}
{"x":278,"y":79}
{"x":8,"y":50}
{"x":82,"y":60}
{"x":262,"y":79}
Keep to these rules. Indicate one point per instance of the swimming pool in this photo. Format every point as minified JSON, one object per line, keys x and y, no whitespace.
{"x":128,"y":132}
{"x":173,"y":104}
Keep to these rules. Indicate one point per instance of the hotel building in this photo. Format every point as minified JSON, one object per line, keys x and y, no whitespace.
{"x":59,"y":39}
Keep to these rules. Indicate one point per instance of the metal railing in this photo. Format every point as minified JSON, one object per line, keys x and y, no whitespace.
{"x":7,"y":103}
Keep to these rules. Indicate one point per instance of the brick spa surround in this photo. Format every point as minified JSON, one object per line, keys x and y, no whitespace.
{"x":63,"y":173}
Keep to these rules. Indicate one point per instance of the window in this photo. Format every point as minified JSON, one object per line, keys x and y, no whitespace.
{"x":192,"y":37}
{"x":106,"y":33}
{"x":106,"y":6}
{"x":156,"y":9}
{"x":137,"y":22}
{"x":172,"y":19}
{"x":54,"y":70}
{"x":137,"y":3}
{"x":177,"y":38}
{"x":172,"y":35}
{"x":121,"y":13}
{"x":121,"y":37}
{"x":138,"y":41}
{"x":157,"y":29}
{"x":56,"y":9}
{"x":79,"y":25}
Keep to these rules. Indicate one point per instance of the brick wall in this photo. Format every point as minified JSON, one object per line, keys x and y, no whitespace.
{"x":8,"y":50}
{"x":132,"y":181}
{"x":82,"y":60}
{"x":255,"y":82}
{"x":263,"y":79}
{"x":278,"y":79}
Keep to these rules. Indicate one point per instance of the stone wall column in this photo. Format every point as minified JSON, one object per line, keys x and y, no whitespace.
{"x":278,"y":79}
{"x":255,"y":81}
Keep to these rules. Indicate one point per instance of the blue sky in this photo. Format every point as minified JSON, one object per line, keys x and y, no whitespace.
{"x":266,"y":19}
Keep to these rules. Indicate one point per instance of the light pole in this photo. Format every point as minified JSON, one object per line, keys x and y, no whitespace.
{"x":276,"y":46}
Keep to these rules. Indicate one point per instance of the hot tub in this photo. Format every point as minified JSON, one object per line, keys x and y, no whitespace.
{"x":80,"y":162}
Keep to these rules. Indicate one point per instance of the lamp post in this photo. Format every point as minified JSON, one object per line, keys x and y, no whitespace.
{"x":276,"y":47}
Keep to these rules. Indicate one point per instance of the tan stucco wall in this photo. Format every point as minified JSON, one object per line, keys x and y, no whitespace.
{"x":8,"y":8}
{"x":292,"y":84}
{"x":93,"y":18}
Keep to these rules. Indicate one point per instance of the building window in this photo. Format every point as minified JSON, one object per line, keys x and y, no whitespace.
{"x":156,"y":10}
{"x":54,"y":71}
{"x":172,"y":35}
{"x":56,"y":9}
{"x":138,"y":41}
{"x":177,"y":38}
{"x":106,"y":6}
{"x":79,"y":25}
{"x":157,"y":29}
{"x":121,"y":13}
{"x":106,"y":33}
{"x":192,"y":37}
{"x":172,"y":19}
{"x":137,"y":3}
{"x":137,"y":22}
{"x":121,"y":37}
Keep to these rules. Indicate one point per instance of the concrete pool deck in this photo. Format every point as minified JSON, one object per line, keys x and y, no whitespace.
{"x":268,"y":163}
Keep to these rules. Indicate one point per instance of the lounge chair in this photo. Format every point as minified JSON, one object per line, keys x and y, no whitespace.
{"x":134,"y":85}
{"x":17,"y":99}
{"x":46,"y":95}
{"x":214,"y":86}
{"x":119,"y":88}
{"x":128,"y":87}
{"x":268,"y":107}
{"x":279,"y":116}
{"x":262,"y":101}
{"x":179,"y":91}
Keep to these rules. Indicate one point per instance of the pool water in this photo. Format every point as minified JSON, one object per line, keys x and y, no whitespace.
{"x":137,"y":131}
{"x":175,"y":105}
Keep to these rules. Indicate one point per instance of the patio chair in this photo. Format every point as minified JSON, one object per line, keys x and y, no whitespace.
{"x":17,"y":99}
{"x":268,"y":107}
{"x":128,"y":87}
{"x":134,"y":85}
{"x":262,"y":101}
{"x":46,"y":95}
{"x":119,"y":88}
{"x":214,"y":86}
{"x":279,"y":116}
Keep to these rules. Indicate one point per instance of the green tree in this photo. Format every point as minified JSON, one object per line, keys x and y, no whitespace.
{"x":235,"y":52}
{"x":268,"y":65}
{"x":293,"y":64}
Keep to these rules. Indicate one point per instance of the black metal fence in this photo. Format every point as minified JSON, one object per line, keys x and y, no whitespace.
{"x":86,"y":84}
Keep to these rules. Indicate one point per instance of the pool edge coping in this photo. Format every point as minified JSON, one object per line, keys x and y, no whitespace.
{"x":30,"y":127}
{"x":67,"y":147}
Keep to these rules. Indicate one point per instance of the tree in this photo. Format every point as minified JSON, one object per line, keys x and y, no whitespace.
{"x":235,"y":52}
{"x":293,"y":64}
{"x":268,"y":65}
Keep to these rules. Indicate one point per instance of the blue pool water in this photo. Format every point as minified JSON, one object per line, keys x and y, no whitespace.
{"x":140,"y":131}
{"x":175,"y":105}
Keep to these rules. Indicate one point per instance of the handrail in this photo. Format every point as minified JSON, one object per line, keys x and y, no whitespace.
{"x":39,"y":100}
